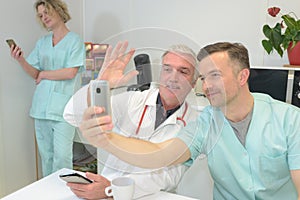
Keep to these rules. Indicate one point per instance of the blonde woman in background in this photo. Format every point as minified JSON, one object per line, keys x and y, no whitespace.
{"x":54,"y":63}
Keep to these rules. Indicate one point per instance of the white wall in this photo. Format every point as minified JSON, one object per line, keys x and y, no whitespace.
{"x":17,"y":141}
{"x":154,"y":25}
{"x":201,"y":21}
{"x":17,"y":148}
{"x":195,"y":22}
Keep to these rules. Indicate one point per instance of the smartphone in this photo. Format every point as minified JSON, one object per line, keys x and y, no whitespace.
{"x":75,"y":178}
{"x":11,"y":42}
{"x":100,"y":95}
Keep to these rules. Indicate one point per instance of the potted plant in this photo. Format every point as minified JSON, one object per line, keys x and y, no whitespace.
{"x":283,"y":36}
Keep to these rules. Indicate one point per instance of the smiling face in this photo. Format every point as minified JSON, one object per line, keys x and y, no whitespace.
{"x":176,"y":78}
{"x":220,"y":79}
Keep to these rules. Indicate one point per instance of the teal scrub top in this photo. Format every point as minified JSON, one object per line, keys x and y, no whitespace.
{"x":261,"y":169}
{"x":51,"y":96}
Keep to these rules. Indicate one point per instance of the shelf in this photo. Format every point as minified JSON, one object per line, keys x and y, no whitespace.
{"x":292,"y":66}
{"x":285,"y":67}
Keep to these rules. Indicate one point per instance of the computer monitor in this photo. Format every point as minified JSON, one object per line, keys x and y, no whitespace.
{"x":269,"y":81}
{"x":296,"y":89}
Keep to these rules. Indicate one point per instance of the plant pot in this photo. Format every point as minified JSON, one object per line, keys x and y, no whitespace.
{"x":294,"y":54}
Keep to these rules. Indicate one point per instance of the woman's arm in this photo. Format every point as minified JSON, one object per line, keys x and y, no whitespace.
{"x":17,"y":54}
{"x":59,"y":74}
{"x":29,"y":69}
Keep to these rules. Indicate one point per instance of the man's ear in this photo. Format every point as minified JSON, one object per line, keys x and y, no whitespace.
{"x":244,"y":76}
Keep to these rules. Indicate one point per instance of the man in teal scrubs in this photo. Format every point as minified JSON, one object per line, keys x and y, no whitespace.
{"x":251,"y":140}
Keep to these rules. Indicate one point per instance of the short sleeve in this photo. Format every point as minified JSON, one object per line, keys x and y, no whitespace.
{"x":293,"y":138}
{"x":77,"y":53}
{"x":201,"y":135}
{"x":191,"y":135}
{"x":33,"y":58}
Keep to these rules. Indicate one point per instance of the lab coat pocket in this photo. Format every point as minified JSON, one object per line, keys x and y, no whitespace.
{"x":274,"y":170}
{"x":57,"y":104}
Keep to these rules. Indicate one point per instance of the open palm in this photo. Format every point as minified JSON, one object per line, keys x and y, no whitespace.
{"x":114,"y":64}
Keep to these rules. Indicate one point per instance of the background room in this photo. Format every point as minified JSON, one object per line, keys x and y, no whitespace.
{"x":149,"y":26}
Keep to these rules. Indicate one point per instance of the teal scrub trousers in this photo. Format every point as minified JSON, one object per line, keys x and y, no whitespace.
{"x":55,"y":144}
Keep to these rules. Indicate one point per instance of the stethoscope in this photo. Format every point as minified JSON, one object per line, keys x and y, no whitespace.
{"x":178,"y":118}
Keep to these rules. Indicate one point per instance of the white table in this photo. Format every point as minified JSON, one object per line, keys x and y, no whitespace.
{"x":53,"y":188}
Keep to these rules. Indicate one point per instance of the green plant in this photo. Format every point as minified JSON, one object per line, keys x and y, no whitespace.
{"x":283,"y":34}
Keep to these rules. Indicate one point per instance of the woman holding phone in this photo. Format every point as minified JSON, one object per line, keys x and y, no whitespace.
{"x":54,"y":63}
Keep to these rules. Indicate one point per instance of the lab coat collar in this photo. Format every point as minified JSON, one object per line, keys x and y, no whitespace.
{"x":151,"y":97}
{"x":151,"y":102}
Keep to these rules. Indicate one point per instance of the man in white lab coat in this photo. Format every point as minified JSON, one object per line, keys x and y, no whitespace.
{"x":156,"y":115}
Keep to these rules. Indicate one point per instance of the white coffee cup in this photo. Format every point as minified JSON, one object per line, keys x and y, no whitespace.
{"x":121,"y":188}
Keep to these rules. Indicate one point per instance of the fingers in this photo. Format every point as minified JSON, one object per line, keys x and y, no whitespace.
{"x":95,"y":177}
{"x":108,"y":52}
{"x":92,"y":176}
{"x":128,"y":77}
{"x":12,"y":47}
{"x":115,"y":62}
{"x":117,"y":50}
{"x":91,"y":111}
{"x":92,"y":126}
{"x":15,"y":51}
{"x":80,"y":190}
{"x":77,"y":186}
{"x":95,"y":126}
{"x":123,"y":48}
{"x":93,"y":190}
{"x":113,"y":55}
{"x":128,"y":56}
{"x":107,"y":57}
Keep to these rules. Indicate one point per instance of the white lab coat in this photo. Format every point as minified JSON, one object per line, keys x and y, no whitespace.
{"x":127,"y":109}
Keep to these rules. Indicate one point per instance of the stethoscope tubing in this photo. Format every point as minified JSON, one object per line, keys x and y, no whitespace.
{"x":144,"y":112}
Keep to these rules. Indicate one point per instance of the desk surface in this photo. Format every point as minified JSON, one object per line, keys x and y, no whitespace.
{"x":53,"y":188}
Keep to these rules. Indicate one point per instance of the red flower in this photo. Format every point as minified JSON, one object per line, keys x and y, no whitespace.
{"x":285,"y":32}
{"x":273,"y":11}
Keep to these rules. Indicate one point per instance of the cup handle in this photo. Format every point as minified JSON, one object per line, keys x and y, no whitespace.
{"x":108,"y":191}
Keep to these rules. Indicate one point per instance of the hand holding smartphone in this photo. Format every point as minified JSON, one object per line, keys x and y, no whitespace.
{"x":100,"y":95}
{"x":75,"y":178}
{"x":11,"y":42}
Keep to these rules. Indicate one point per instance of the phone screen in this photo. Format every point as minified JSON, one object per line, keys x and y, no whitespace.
{"x":75,"y":178}
{"x":11,"y":42}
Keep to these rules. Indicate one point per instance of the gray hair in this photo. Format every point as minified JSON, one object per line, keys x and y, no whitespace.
{"x":185,"y":51}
